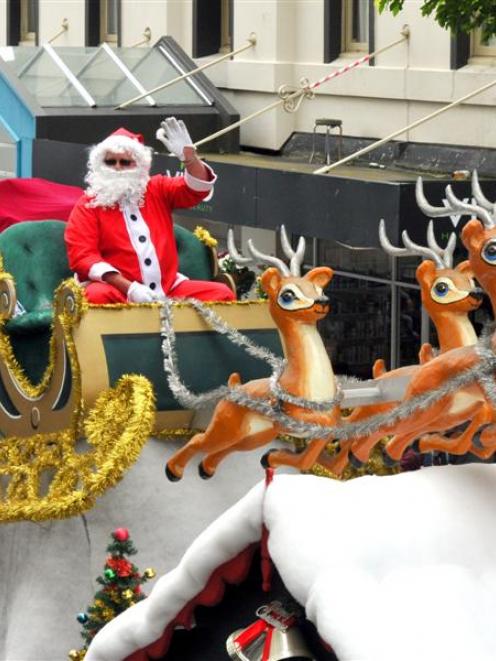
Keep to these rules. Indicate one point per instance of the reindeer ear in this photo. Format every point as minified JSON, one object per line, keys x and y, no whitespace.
{"x":465,"y":267}
{"x":472,"y":231}
{"x":425,"y":270}
{"x":270,"y":280}
{"x":320,"y":276}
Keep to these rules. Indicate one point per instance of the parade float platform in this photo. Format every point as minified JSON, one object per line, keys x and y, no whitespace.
{"x":398,"y":567}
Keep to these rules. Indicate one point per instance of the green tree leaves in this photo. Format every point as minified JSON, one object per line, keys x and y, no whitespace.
{"x":455,"y":15}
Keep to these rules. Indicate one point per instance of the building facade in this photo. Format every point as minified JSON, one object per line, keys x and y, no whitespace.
{"x":296,"y":39}
{"x":376,"y":301}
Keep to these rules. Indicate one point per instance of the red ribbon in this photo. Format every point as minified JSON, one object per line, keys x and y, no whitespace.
{"x":252,"y":632}
{"x":266,"y":564}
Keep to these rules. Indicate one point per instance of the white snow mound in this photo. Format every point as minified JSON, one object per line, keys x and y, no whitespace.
{"x":395,"y":568}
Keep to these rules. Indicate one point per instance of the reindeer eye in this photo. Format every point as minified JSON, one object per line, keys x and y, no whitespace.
{"x":287,"y":296}
{"x":441,"y":288}
{"x":489,"y":252}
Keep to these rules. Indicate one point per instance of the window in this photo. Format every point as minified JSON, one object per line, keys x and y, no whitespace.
{"x":483,"y":47}
{"x":355,"y":25}
{"x":212,"y":27}
{"x":109,"y":21}
{"x":28,"y":22}
{"x":225,"y":27}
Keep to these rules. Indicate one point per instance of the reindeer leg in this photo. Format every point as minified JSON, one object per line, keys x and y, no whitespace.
{"x":488,"y":437}
{"x":426,"y":353}
{"x":362,"y":447}
{"x":175,"y":466}
{"x":339,"y":461}
{"x":210,"y":462}
{"x":482,"y":453}
{"x":300,"y":460}
{"x":461,"y":444}
{"x":398,"y":444}
{"x":379,"y":368}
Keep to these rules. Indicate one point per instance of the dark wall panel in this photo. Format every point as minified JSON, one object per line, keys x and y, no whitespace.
{"x":347,"y":210}
{"x":416,"y":222}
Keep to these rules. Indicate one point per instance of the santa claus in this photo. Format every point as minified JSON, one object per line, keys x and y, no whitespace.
{"x":120,"y":237}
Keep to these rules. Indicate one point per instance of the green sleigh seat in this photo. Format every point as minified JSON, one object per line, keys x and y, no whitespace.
{"x":33,"y":253}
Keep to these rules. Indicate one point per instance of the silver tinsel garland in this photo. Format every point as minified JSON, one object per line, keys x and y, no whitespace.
{"x":481,"y":373}
{"x":190,"y":400}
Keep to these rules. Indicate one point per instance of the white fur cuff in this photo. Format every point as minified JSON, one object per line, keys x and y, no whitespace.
{"x":199,"y":184}
{"x":98,"y":270}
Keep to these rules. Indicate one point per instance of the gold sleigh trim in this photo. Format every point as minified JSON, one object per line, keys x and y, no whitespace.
{"x":52,"y":475}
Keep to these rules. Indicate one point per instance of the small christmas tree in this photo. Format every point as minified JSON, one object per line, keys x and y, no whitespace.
{"x":121,"y":587}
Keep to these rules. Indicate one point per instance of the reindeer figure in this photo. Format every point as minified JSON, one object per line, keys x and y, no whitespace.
{"x":296,"y":303}
{"x":468,"y":403}
{"x":448,"y":295}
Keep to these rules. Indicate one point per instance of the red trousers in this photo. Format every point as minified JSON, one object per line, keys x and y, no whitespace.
{"x":203,"y":290}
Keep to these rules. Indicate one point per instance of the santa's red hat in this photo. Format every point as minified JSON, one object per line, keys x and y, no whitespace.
{"x":119,"y":141}
{"x":128,"y":134}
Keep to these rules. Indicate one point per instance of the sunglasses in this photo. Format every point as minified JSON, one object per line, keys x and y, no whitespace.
{"x":124,"y":162}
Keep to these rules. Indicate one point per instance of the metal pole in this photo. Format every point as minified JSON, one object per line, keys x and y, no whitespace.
{"x":395,"y":318}
{"x":252,"y":40}
{"x":64,"y":28}
{"x":425,"y":325}
{"x":378,"y":143}
{"x":147,"y":35}
{"x":306,"y":89}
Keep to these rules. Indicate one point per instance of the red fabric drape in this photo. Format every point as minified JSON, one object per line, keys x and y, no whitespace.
{"x":35,"y":199}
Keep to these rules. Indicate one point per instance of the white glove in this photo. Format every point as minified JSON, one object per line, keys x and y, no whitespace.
{"x":174,"y":136}
{"x":139,"y":293}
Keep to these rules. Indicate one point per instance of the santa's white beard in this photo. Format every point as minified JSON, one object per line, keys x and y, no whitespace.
{"x":108,"y":187}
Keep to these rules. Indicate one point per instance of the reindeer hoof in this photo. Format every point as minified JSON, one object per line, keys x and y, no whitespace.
{"x":264,"y":460}
{"x":355,"y":461}
{"x":388,"y":459}
{"x":415,"y":446}
{"x":476,"y":440}
{"x":170,"y":475}
{"x":205,"y":475}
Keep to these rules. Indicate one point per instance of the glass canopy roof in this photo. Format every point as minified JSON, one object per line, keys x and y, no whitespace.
{"x":102,"y":76}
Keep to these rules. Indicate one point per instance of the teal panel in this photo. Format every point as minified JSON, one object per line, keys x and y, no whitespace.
{"x":20,"y":123}
{"x":205,"y":360}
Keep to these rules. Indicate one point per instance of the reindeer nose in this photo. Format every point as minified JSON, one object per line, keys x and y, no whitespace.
{"x":477,"y":293}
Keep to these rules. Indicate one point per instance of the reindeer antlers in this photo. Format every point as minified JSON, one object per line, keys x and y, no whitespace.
{"x":295,"y":257}
{"x":443,"y":258}
{"x":480,"y":210}
{"x":446,"y":254}
{"x":479,"y":195}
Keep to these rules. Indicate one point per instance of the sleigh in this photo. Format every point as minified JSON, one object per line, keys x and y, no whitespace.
{"x":62,"y":352}
{"x":82,"y":387}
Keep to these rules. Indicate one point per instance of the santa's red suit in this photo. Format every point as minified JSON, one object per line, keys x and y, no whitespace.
{"x":137,"y":241}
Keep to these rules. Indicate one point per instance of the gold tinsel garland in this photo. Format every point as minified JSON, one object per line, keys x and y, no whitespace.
{"x":205,"y":237}
{"x":117,"y":428}
{"x":167,"y":434}
{"x":374,"y":466}
{"x":47,"y":477}
{"x":177,"y":304}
